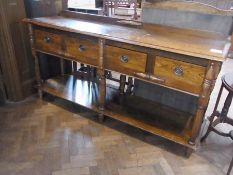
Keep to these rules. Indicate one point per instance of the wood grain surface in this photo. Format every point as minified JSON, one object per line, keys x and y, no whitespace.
{"x":190,"y":79}
{"x":188,"y":42}
{"x":136,"y":61}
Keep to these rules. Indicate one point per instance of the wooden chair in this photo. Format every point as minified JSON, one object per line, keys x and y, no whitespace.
{"x":227,"y":83}
{"x":231,"y":165}
{"x":222,"y":117}
{"x":109,"y":5}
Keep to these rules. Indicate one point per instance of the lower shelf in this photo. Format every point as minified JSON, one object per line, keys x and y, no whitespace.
{"x":135,"y":111}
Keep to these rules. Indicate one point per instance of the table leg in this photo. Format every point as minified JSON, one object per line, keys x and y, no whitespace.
{"x":208,"y":85}
{"x":37,"y":66}
{"x":230,"y":167}
{"x":122,"y":84}
{"x":102,"y":81}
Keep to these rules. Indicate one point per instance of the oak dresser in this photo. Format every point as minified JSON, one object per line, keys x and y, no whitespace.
{"x":182,"y":60}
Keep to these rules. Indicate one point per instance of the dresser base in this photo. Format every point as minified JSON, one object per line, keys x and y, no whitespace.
{"x":149,"y":116}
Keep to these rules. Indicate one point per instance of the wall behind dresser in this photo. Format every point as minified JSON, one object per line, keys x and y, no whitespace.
{"x":15,"y":56}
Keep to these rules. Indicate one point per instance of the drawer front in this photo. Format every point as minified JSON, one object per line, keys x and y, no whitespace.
{"x":125,"y":61}
{"x":48,"y":41}
{"x":180,"y":75}
{"x":83,"y":50}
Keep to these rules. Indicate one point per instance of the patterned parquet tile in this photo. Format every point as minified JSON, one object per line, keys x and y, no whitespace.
{"x":43,"y":138}
{"x":54,"y":137}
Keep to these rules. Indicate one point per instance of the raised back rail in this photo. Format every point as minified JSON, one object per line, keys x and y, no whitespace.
{"x":188,"y":14}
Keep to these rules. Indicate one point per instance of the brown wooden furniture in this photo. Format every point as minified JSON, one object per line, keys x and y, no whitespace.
{"x":231,"y":164}
{"x":17,"y":73}
{"x":113,"y":4}
{"x":185,"y":61}
{"x":227,"y":83}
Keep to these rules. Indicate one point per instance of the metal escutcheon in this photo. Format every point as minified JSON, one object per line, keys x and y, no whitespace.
{"x":124,"y":58}
{"x":178,"y":71}
{"x":81,"y":48}
{"x":47,"y":39}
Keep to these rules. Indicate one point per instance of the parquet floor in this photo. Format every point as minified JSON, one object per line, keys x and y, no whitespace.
{"x":51,"y":137}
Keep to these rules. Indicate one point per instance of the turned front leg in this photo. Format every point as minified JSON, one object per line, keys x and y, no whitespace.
{"x":102,"y":94}
{"x":102,"y":81}
{"x":208,"y":85}
{"x":37,"y":66}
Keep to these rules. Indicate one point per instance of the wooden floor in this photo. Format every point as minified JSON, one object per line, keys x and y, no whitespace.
{"x":53,"y":137}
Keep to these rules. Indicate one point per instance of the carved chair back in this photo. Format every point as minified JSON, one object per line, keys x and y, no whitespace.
{"x":111,"y":5}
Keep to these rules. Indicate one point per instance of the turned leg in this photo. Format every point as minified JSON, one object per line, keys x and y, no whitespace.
{"x":226,"y":107}
{"x":222,"y":117}
{"x":214,"y":114}
{"x":188,"y":152}
{"x":216,"y":122}
{"x":122,"y":84}
{"x":209,"y":82}
{"x":230,"y":167}
{"x":209,"y":129}
{"x":101,"y":117}
{"x":130,"y":85}
{"x":102,"y":94}
{"x":37,"y":66}
{"x":38,"y":78}
{"x":102,"y":82}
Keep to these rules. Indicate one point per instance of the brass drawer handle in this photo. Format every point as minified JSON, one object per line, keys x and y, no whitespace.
{"x":47,"y":39}
{"x":124,"y":58}
{"x":82,"y":48}
{"x":178,"y":71}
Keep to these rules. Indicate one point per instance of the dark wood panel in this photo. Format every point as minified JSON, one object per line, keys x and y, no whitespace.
{"x":16,"y":60}
{"x":157,"y":93}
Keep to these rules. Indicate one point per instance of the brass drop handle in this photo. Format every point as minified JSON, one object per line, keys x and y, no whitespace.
{"x":124,"y":58}
{"x":82,"y":48}
{"x":178,"y":71}
{"x":47,"y":39}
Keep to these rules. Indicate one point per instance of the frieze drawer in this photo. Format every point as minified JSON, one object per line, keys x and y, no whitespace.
{"x":124,"y":60}
{"x":178,"y":74}
{"x":48,"y":42}
{"x":82,"y":49}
